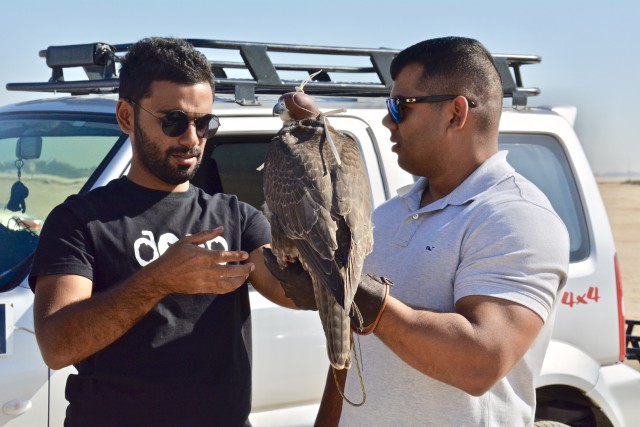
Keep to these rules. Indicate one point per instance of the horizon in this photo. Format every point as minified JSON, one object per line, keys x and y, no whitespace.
{"x":586,"y":48}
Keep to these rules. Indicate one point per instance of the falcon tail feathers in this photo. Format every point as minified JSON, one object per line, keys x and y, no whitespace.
{"x":337,"y":327}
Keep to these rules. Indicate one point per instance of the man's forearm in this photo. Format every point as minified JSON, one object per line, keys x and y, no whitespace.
{"x":471,"y":349}
{"x":331,"y":404}
{"x":84,"y":327}
{"x":264,"y":281}
{"x":72,"y":323}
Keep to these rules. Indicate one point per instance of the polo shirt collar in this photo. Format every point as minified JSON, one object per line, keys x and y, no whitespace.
{"x":488,"y":174}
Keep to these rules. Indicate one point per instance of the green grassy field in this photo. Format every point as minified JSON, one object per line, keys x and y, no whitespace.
{"x":45,"y":192}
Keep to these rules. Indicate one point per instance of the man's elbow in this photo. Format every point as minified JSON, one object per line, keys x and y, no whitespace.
{"x":478,"y":388}
{"x":53,"y":353}
{"x":55,"y":365}
{"x":482,"y":378}
{"x":54,"y":362}
{"x":54,"y":359}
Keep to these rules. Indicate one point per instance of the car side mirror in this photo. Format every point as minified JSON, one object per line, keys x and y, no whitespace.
{"x":29,"y":147}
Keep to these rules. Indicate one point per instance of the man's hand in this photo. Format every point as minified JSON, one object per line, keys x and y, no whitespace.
{"x":294,"y":279}
{"x":187,"y":268}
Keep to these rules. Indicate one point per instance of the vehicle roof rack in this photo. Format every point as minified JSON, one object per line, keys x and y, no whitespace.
{"x":99,"y":59}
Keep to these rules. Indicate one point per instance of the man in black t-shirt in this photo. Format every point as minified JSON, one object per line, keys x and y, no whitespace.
{"x":141,"y":284}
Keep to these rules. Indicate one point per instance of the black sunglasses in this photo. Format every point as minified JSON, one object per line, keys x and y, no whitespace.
{"x":395,"y":111}
{"x":176,"y":122}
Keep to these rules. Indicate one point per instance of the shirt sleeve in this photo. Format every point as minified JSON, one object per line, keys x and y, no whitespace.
{"x":63,"y":247}
{"x":256,"y":230}
{"x":518,"y":251}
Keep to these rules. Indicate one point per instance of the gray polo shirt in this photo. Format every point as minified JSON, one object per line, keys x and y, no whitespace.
{"x":496,"y":234}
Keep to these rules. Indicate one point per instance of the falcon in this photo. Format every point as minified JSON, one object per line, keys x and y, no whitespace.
{"x":318,"y":202}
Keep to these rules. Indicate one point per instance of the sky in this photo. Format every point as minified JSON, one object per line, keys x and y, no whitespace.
{"x":589,"y":49}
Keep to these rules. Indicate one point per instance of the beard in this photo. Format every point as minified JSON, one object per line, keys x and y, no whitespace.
{"x":159,"y":162}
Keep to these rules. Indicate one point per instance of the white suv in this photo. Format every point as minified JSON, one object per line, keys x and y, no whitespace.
{"x":58,"y":146}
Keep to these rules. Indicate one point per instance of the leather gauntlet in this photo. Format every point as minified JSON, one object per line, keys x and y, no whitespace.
{"x":294,"y":279}
{"x":369,"y":303}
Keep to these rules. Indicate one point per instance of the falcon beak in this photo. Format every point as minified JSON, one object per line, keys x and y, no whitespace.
{"x":279,"y":108}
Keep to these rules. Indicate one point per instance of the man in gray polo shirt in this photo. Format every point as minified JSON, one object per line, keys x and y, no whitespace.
{"x":476,"y":252}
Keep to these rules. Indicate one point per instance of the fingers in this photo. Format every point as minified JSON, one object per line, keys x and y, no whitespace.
{"x":204,"y":236}
{"x":231,"y":277}
{"x":223,"y":271}
{"x":215,"y":257}
{"x":189,"y":266}
{"x":225,"y":257}
{"x":238,"y":271}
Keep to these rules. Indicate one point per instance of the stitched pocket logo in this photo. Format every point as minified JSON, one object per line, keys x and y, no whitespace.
{"x":430,"y":248}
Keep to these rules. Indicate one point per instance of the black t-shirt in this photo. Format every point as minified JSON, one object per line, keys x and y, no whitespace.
{"x":188,"y":361}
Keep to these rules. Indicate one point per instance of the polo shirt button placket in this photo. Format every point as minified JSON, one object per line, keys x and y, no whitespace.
{"x":415,"y":216}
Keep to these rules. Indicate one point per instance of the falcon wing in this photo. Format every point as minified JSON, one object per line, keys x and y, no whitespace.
{"x":319,"y":212}
{"x":298,"y":195}
{"x":351,"y":208}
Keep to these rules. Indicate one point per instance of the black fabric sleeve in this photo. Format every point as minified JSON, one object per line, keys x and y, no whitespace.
{"x":256,"y":231}
{"x":63,"y":247}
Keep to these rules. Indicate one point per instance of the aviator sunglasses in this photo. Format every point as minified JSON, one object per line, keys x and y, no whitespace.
{"x":395,"y":110}
{"x":176,"y":122}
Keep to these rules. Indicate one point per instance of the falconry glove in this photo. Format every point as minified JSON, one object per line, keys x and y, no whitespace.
{"x":369,"y":303}
{"x":369,"y":300}
{"x":295,"y":281}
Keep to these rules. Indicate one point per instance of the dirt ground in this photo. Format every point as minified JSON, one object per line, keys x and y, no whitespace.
{"x":622,"y":201}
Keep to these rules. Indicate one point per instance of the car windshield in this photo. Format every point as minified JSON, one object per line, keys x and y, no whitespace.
{"x":44,"y":158}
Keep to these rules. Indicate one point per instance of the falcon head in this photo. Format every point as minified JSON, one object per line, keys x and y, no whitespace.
{"x":296,"y":106}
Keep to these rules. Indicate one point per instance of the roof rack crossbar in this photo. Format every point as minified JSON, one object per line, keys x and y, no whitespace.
{"x":512,"y":83}
{"x":297,"y":67}
{"x":80,"y":87}
{"x":98,"y":61}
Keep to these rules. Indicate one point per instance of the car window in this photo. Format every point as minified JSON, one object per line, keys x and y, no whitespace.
{"x":239,"y":169}
{"x":44,"y":158}
{"x":231,"y":164}
{"x":541,"y":159}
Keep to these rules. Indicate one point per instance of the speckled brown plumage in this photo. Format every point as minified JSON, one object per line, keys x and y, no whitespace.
{"x":320,"y":212}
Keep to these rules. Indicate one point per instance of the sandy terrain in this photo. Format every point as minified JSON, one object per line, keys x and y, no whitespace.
{"x":622,"y":201}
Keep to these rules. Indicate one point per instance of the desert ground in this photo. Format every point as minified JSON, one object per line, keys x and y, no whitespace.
{"x":622,"y":201}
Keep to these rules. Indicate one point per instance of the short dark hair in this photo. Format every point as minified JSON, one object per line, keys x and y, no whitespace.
{"x":457,"y":66}
{"x":161,"y":59}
